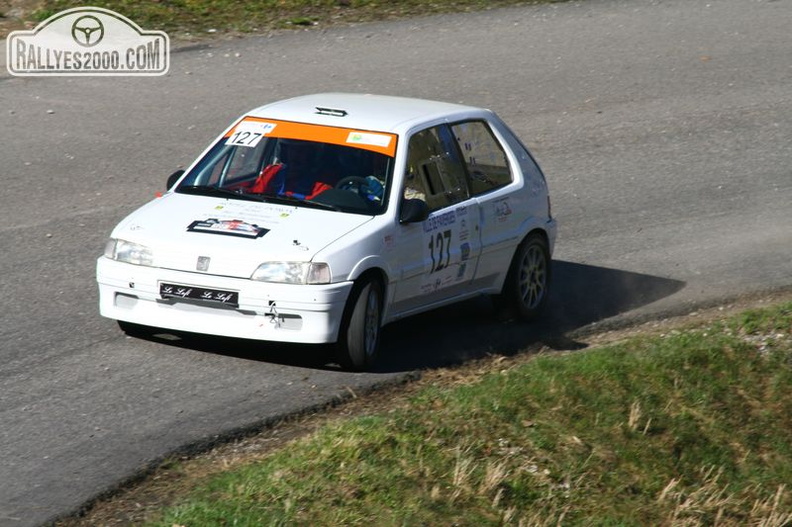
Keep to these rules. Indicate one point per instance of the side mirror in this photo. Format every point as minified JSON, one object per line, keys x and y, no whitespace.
{"x":173,"y":178}
{"x":413,"y":211}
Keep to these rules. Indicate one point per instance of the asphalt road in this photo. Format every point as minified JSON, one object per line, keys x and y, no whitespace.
{"x":664,"y":127}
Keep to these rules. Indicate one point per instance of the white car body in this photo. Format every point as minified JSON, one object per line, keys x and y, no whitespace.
{"x":212,"y":245}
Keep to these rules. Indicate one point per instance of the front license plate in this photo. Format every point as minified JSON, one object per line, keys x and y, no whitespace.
{"x":188,"y":292}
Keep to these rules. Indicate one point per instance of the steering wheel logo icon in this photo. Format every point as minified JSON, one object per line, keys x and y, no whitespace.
{"x":87,"y":31}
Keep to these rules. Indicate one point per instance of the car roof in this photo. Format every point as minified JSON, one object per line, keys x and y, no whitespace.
{"x":364,"y":111}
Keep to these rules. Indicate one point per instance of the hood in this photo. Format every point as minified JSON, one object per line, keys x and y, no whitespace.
{"x":236,"y":236}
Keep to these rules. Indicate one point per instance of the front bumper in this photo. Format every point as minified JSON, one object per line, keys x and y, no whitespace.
{"x":309,"y":314}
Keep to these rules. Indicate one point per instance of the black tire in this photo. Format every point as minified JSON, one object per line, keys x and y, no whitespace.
{"x":527,"y":284}
{"x":358,"y":341}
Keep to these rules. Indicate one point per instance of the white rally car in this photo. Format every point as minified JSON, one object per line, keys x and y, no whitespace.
{"x":320,"y":219}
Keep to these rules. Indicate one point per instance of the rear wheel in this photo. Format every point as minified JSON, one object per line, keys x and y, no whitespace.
{"x":527,"y":284}
{"x":358,"y":342}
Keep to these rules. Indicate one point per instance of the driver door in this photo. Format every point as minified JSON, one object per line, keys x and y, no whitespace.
{"x":437,"y":257}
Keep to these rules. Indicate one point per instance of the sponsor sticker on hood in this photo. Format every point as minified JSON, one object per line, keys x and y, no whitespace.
{"x":252,"y":212}
{"x":228,"y":228}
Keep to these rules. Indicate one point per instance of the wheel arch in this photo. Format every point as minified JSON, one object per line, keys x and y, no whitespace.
{"x":538,"y":231}
{"x":541,"y":232}
{"x":375,"y":273}
{"x":525,"y":287}
{"x":371,"y":267}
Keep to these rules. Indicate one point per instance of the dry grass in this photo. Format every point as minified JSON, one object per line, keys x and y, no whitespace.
{"x":709,"y":445}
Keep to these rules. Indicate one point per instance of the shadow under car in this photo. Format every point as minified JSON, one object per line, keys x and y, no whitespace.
{"x":580,"y":295}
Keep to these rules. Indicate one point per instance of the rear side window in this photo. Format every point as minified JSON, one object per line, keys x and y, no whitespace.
{"x":486,"y":161}
{"x":531,"y":171}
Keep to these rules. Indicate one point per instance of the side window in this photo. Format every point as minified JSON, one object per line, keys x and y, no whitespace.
{"x":435,"y":173}
{"x":529,"y":168}
{"x":486,"y":161}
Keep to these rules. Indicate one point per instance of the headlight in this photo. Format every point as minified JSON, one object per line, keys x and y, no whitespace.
{"x":293,"y":273}
{"x":128,"y":252}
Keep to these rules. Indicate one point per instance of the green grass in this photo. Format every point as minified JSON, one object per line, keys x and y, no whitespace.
{"x":689,"y":428}
{"x":199,"y":16}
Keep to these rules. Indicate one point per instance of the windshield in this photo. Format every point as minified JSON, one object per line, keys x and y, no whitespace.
{"x":343,"y":169}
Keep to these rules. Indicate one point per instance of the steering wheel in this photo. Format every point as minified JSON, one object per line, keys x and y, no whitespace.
{"x":354,"y":183}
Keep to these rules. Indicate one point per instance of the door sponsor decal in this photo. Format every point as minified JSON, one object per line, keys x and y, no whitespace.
{"x":502,"y":210}
{"x":446,"y":249}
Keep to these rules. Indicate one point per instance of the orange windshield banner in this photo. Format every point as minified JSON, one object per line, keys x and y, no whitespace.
{"x":381,"y":142}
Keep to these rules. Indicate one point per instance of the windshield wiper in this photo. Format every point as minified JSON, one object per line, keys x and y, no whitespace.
{"x":292,"y":200}
{"x":207,"y":190}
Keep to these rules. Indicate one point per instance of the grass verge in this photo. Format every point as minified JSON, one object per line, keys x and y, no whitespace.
{"x":195,"y":18}
{"x":691,"y":427}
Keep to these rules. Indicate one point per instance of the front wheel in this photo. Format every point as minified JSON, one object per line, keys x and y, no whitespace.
{"x":358,"y":341}
{"x":527,"y":283}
